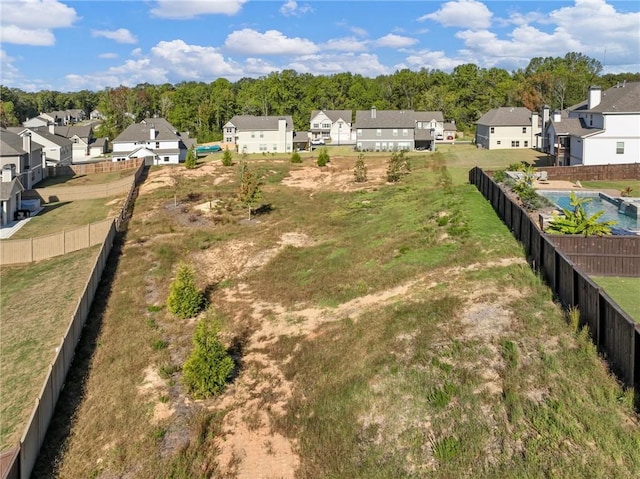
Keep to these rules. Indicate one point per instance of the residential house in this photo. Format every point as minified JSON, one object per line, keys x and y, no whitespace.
{"x":154,"y":139}
{"x":85,"y":145}
{"x":36,"y":122}
{"x":604,"y":129}
{"x":507,"y":127}
{"x":431,"y":129}
{"x":10,"y":194}
{"x":24,"y":155}
{"x":332,"y":125}
{"x":96,"y":115}
{"x":260,"y":134}
{"x":385,"y":130}
{"x":64,"y":117}
{"x":57,"y":149}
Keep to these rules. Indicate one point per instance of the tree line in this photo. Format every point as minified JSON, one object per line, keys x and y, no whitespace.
{"x":202,"y":109}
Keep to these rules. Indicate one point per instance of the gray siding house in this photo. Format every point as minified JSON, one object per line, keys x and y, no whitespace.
{"x":385,"y":130}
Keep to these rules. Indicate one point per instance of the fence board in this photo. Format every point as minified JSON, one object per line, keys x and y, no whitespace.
{"x":516,"y":214}
{"x":565,"y":280}
{"x":588,"y":300}
{"x":618,"y":340}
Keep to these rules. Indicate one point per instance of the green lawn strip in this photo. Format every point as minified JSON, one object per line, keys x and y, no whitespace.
{"x":624,"y":291}
{"x":61,"y":216}
{"x":619,"y":185}
{"x":37,"y":301}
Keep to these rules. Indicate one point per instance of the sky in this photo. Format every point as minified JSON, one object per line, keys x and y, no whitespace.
{"x":75,"y":45}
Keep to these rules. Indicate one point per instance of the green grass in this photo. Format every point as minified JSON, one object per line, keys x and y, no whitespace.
{"x":624,"y":291}
{"x":36,"y":305}
{"x":614,"y":185}
{"x":61,"y":216}
{"x":435,"y":352}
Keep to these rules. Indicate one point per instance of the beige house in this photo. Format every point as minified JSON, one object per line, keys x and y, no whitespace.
{"x":259,"y":134}
{"x":508,"y":127}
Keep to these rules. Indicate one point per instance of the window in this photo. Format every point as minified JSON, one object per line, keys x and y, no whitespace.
{"x":253,"y":134}
{"x":515,"y":144}
{"x":157,"y":144}
{"x":263,"y":147}
{"x":166,"y":159}
{"x":229,"y":130}
{"x":275,"y":147}
{"x":526,"y":144}
{"x":524,"y":129}
{"x":420,"y":125}
{"x":493,"y":130}
{"x":377,"y":147}
{"x":498,"y":142}
{"x":395,"y":132}
{"x":262,"y":134}
{"x":405,"y":132}
{"x":619,"y":147}
{"x":359,"y":131}
{"x":228,"y":139}
{"x":326,"y":125}
{"x":316,"y":125}
{"x":378,"y":132}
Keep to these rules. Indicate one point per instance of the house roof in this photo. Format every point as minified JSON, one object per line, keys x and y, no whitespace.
{"x":44,"y":132}
{"x":11,"y":144}
{"x":98,"y":142}
{"x":573,"y":127}
{"x":334,"y":115}
{"x":251,"y":122}
{"x":385,"y":119}
{"x":10,"y":188}
{"x":429,"y":115}
{"x":165,"y":131}
{"x":506,"y":116}
{"x":423,"y":134}
{"x":622,"y":98}
{"x":449,"y":126}
{"x":70,"y":131}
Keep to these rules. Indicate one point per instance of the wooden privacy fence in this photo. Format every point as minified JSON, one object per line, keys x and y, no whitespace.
{"x":18,"y":462}
{"x":106,"y":166}
{"x":54,"y":194}
{"x":612,"y":329}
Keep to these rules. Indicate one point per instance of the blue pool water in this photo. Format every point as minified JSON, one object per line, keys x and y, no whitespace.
{"x":561,"y":199}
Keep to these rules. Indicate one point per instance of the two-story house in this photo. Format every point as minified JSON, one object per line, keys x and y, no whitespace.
{"x":85,"y":145}
{"x":259,"y":134}
{"x":23,"y":152}
{"x":154,"y":139}
{"x":332,"y":125}
{"x":604,"y":129}
{"x":56,"y":149}
{"x":508,"y":127}
{"x":385,"y":130}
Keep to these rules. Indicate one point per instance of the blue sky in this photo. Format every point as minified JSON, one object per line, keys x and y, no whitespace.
{"x":75,"y":45}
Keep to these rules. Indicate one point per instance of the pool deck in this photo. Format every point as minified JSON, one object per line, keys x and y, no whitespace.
{"x":569,"y":186}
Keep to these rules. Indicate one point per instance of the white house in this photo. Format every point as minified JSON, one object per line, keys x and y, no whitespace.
{"x":260,"y":134}
{"x":57,"y":150}
{"x":333,"y":125}
{"x":154,"y":139}
{"x":604,"y":129}
{"x":507,"y":127}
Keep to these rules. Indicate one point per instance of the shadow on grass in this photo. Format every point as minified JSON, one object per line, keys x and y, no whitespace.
{"x":73,"y":392}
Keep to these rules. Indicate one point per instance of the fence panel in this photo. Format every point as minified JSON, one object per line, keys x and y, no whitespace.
{"x":588,"y":301}
{"x":508,"y":207}
{"x":29,"y":445}
{"x":48,"y":246}
{"x":517,"y":214}
{"x":565,"y":279}
{"x":77,"y":238}
{"x":618,"y":340}
{"x":536,"y":249}
{"x":16,"y":251}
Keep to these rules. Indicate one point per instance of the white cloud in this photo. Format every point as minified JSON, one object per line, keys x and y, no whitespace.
{"x":31,"y":22}
{"x":436,"y":60}
{"x":350,"y":44}
{"x":9,"y":71}
{"x":194,"y":61}
{"x":469,"y":14}
{"x":365,"y":64}
{"x":258,"y":67}
{"x":108,"y":56}
{"x":395,"y":41}
{"x":193,"y":8}
{"x":291,"y":8}
{"x":121,"y":35}
{"x":271,"y":42}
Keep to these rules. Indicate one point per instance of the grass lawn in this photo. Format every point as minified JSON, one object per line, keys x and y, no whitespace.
{"x":615,"y":185}
{"x":624,"y":291}
{"x":89,"y":179}
{"x":36,"y":304}
{"x":381,"y":331}
{"x":60,"y":216}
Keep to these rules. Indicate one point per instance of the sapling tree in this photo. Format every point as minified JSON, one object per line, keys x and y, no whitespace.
{"x":185,"y":300}
{"x":250,"y":191}
{"x":397,"y":167}
{"x":227,"y":157}
{"x":191,"y":160}
{"x":323,"y":157}
{"x":360,"y":170}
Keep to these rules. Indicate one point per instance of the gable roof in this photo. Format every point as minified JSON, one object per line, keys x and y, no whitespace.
{"x":70,"y":131}
{"x":429,"y":115}
{"x":334,"y":115}
{"x":622,"y":98}
{"x":385,"y":119}
{"x":506,"y":116}
{"x":10,"y":188}
{"x":165,"y":131}
{"x":11,"y":144}
{"x":44,"y":132}
{"x":257,"y":123}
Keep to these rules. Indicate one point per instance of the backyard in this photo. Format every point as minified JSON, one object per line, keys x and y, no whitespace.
{"x":381,"y":330}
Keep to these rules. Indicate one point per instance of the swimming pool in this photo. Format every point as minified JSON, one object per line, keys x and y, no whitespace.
{"x":598,"y":203}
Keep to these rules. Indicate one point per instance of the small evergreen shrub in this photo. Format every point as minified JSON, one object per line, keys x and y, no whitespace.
{"x":398,"y":166}
{"x":360,"y":170}
{"x":209,"y":366}
{"x":323,"y":157}
{"x":227,"y":158}
{"x":295,"y":157}
{"x":190,"y":161}
{"x":185,"y":300}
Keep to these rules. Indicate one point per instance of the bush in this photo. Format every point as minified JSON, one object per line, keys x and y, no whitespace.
{"x":295,"y":157}
{"x":360,"y":170}
{"x":398,"y":166}
{"x":190,"y":161}
{"x":185,"y":300}
{"x":227,"y":158}
{"x":209,"y":366}
{"x":323,"y":157}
